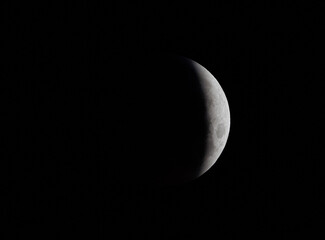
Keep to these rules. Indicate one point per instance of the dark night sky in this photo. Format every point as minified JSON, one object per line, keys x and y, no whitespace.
{"x":265,"y":56}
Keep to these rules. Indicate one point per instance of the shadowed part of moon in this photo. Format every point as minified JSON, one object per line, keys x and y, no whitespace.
{"x":221,"y":130}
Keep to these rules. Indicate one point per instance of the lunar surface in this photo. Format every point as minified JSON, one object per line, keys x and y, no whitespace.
{"x":172,"y":120}
{"x":218,"y":116}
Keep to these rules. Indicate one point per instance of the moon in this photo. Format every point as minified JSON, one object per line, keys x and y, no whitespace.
{"x":174,"y":119}
{"x":218,"y":116}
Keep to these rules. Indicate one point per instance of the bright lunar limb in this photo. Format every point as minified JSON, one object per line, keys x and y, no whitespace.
{"x":218,"y":116}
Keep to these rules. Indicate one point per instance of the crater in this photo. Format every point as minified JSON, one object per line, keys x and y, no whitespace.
{"x":221,"y":130}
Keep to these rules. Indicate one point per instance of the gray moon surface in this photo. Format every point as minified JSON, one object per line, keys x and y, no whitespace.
{"x":174,"y":120}
{"x":218,"y":116}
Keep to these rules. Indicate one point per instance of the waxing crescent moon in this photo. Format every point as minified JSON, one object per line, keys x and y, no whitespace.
{"x":175,"y":119}
{"x":218,"y":116}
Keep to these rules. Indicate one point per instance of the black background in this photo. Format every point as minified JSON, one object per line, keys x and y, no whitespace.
{"x":267,"y":182}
